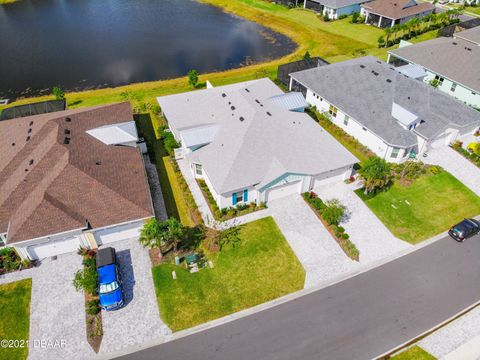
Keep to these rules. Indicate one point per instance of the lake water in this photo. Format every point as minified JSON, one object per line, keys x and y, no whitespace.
{"x":81,"y":44}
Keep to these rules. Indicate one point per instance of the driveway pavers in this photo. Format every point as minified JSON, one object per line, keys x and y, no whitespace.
{"x":56,"y":309}
{"x":367,"y":232}
{"x":457,"y":165}
{"x":139,"y":320}
{"x":320,"y":255}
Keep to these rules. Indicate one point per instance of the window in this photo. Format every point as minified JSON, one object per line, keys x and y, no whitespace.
{"x":394,"y":153}
{"x":108,"y":288}
{"x":198,"y":169}
{"x":345,"y":120}
{"x":333,"y":111}
{"x":240,"y":196}
{"x":439,"y":79}
{"x":452,"y":89}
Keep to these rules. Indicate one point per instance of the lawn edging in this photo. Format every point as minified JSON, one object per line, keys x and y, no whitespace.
{"x":337,"y":232}
{"x":226,"y":213}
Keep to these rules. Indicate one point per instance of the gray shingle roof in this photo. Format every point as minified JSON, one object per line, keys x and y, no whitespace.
{"x":242,"y":152}
{"x":455,"y":59}
{"x":472,"y":35}
{"x":366,"y":88}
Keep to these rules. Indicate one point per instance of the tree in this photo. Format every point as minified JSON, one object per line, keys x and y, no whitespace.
{"x":307,"y":56}
{"x":333,"y":212}
{"x":193,"y":78}
{"x":151,"y":235}
{"x":381,"y":41}
{"x":376,"y":174}
{"x":58,"y":93}
{"x":173,"y":233}
{"x":355,"y":17}
{"x":388,"y":32}
{"x":86,"y":279}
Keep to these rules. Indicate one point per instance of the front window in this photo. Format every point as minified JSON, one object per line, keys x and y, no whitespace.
{"x":108,"y":288}
{"x":240,"y":196}
{"x":198,"y":169}
{"x":439,"y":79}
{"x":345,"y":120}
{"x":395,"y":152}
{"x":333,"y":111}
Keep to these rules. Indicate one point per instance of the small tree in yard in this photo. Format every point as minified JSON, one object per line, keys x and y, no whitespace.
{"x":162,"y":235}
{"x":193,"y":78}
{"x":333,"y":212}
{"x":376,"y":174}
{"x":87,"y":278}
{"x":174,"y":232}
{"x":307,"y":56}
{"x":58,"y":93}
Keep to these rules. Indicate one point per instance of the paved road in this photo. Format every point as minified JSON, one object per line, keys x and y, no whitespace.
{"x":359,"y":318}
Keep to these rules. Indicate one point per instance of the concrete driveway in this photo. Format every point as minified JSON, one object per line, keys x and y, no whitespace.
{"x":321,"y":256}
{"x":456,"y":165}
{"x":139,"y":320}
{"x":56,"y":309}
{"x":367,"y":232}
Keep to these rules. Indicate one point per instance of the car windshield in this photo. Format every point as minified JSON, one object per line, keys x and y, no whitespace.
{"x":106,"y":288}
{"x":457,"y":231}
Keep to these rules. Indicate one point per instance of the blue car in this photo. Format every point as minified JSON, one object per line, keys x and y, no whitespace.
{"x":110,"y":286}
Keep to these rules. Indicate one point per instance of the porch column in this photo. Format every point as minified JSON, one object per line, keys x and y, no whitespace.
{"x":380,"y":21}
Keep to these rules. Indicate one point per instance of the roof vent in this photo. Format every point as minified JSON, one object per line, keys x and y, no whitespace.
{"x":247,"y":90}
{"x":232,"y":107}
{"x":67,"y":119}
{"x":374,"y":73}
{"x":389,"y":81}
{"x":66,"y":132}
{"x":98,"y":163}
{"x":269,"y":114}
{"x":224,"y":95}
{"x":467,"y":48}
{"x":26,"y":170}
{"x":229,"y":103}
{"x":66,"y":140}
{"x":454,"y":43}
{"x":29,"y":131}
{"x":13,"y":144}
{"x":379,"y":62}
{"x":28,"y":138}
{"x":362,"y":66}
{"x":30,"y":162}
{"x":242,"y":118}
{"x":31,"y":123}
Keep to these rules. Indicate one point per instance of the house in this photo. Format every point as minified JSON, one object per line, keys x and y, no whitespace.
{"x":250,"y":142}
{"x":70,"y":179}
{"x":396,"y":116}
{"x":334,"y":8}
{"x":387,"y":13}
{"x":453,"y":64}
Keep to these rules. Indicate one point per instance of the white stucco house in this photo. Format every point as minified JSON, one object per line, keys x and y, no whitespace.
{"x":453,"y":62}
{"x":250,"y":142}
{"x":71,"y":179}
{"x":395,"y":116}
{"x":334,"y":8}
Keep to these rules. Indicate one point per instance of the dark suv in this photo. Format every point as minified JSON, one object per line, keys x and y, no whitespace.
{"x":465,"y":229}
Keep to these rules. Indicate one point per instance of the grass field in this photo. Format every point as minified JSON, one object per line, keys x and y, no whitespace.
{"x":414,"y":353}
{"x":334,"y":41}
{"x":261,"y":268}
{"x":15,"y":315}
{"x":436,"y":203}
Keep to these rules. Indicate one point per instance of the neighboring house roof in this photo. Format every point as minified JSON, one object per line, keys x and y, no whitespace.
{"x":290,"y":101}
{"x":472,"y":35}
{"x":122,"y":133}
{"x":257,"y":141}
{"x":455,"y":59}
{"x":413,"y":71}
{"x":337,"y":4}
{"x":366,"y":89}
{"x":397,"y":9}
{"x":37,"y":108}
{"x":54,"y":176}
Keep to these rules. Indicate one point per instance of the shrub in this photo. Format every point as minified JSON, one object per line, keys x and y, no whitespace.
{"x":333,"y":212}
{"x":345,"y":236}
{"x":92,"y":307}
{"x":435,"y":169}
{"x":241,"y":207}
{"x":317,"y":203}
{"x":457,"y":144}
{"x":326,"y":18}
{"x":86,"y":280}
{"x":355,"y":17}
{"x":376,"y":174}
{"x":409,"y":170}
{"x":343,"y":16}
{"x":341,"y":229}
{"x":169,"y":141}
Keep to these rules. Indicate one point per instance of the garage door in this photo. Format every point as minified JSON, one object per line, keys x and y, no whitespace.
{"x":441,"y":141}
{"x":52,"y":248}
{"x":283,"y":190}
{"x":118,"y":233}
{"x":328,"y":178}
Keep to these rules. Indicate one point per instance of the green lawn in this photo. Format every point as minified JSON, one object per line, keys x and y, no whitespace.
{"x":436,"y":203}
{"x":261,"y":268}
{"x":15,"y":315}
{"x":413,"y":353}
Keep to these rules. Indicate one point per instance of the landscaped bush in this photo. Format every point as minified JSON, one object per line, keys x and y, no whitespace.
{"x":409,"y":170}
{"x":168,"y":140}
{"x":470,"y":156}
{"x":92,"y":307}
{"x":343,"y":16}
{"x":376,"y":174}
{"x":10,"y":261}
{"x":333,"y":212}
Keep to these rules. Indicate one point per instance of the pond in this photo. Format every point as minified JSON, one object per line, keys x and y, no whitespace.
{"x":84,"y":44}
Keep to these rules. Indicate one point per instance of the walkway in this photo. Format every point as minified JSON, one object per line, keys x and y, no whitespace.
{"x":367,"y":232}
{"x":457,"y":165}
{"x":155,"y":189}
{"x":313,"y":245}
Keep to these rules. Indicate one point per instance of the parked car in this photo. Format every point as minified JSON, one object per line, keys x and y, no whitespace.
{"x":110,"y":285}
{"x":465,"y":229}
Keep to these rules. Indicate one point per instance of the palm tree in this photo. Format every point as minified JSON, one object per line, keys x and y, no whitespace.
{"x":174,"y":232}
{"x":388,"y":32}
{"x":151,"y":236}
{"x":375,"y":173}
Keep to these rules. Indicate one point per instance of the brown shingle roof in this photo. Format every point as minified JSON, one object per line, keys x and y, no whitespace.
{"x":47,"y":186}
{"x":397,"y":9}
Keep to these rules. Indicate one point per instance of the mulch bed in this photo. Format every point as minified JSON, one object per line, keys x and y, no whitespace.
{"x":94,"y":327}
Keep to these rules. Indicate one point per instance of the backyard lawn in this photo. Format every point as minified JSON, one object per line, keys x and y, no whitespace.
{"x":414,"y":353}
{"x":261,"y":268}
{"x":435,"y":202}
{"x":15,"y":315}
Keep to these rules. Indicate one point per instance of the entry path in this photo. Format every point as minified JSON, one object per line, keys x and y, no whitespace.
{"x":359,"y":318}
